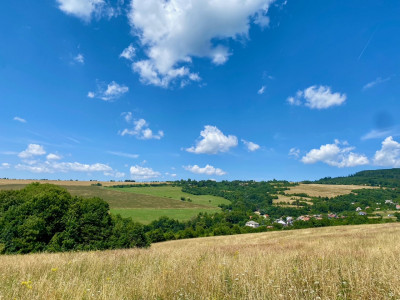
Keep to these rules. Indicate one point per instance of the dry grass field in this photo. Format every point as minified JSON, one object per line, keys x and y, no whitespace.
{"x":24,"y":182}
{"x":352,"y":262}
{"x":325,"y":190}
{"x":290,"y":199}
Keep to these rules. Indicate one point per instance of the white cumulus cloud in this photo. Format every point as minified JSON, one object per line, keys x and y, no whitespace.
{"x":52,"y":156}
{"x":389,"y":154}
{"x":208,"y":170}
{"x":213,"y":141}
{"x":250,"y":145}
{"x":173,"y":32}
{"x":317,"y":97}
{"x":335,"y":155}
{"x":138,"y":172}
{"x":32,"y":150}
{"x":111,"y":92}
{"x":83,"y":9}
{"x":141,"y":129}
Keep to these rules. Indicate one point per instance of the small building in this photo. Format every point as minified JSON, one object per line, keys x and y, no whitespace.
{"x":358,"y":209}
{"x":280,"y":221}
{"x":397,"y":206}
{"x":388,"y":202}
{"x":361,"y":213}
{"x":252,"y":224}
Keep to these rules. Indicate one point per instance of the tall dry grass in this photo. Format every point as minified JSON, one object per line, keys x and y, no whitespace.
{"x":353,"y":262}
{"x":326,"y":190}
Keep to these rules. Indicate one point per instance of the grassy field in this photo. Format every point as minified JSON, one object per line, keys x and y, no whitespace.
{"x":351,"y":262}
{"x":146,"y":215}
{"x":201,"y":203}
{"x":176,"y":193}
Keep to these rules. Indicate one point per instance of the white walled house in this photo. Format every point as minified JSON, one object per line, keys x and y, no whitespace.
{"x":252,"y":224}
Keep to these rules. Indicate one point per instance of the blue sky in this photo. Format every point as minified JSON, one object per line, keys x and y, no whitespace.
{"x":201,"y":89}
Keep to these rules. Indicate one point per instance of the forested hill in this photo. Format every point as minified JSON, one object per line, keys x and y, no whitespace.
{"x":386,"y":178}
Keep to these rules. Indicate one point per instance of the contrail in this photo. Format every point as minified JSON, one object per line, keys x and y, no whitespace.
{"x":367,"y":44}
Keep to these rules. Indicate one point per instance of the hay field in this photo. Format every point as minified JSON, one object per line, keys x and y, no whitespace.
{"x":23,"y":182}
{"x":351,"y":262}
{"x":325,"y":190}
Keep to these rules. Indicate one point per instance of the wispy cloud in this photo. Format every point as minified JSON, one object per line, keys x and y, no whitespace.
{"x":122,"y":154}
{"x":18,"y":119}
{"x":375,"y":82}
{"x":261,"y":90}
{"x":79,"y":58}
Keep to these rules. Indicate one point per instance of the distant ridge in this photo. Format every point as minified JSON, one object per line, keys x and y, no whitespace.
{"x":384,"y":178}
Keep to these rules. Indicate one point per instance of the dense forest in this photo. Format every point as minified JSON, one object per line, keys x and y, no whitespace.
{"x":45,"y":217}
{"x":385,"y":178}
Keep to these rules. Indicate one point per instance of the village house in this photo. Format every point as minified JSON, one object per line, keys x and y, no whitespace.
{"x":252,"y":224}
{"x":280,"y":221}
{"x":388,"y":202}
{"x":397,"y":206}
{"x":358,"y":209}
{"x":303,"y":218}
{"x":361,"y":213}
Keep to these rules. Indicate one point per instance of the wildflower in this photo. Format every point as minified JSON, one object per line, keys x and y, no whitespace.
{"x":54,"y":269}
{"x":28,"y":284}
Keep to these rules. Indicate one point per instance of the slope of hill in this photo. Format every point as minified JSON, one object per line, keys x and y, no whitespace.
{"x":385,"y":178}
{"x":352,"y":262}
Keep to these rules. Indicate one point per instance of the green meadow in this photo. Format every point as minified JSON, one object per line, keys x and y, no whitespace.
{"x":168,"y":199}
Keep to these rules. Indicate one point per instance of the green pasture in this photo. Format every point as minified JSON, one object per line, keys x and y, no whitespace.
{"x":175,"y":193}
{"x":146,"y":215}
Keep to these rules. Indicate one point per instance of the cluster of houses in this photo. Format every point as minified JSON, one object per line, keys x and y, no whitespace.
{"x":390,"y":202}
{"x":288,"y":221}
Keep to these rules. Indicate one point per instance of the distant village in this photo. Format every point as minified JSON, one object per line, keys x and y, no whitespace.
{"x":288,"y":221}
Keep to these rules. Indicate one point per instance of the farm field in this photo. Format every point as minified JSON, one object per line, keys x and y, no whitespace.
{"x":351,"y":262}
{"x":325,"y":190}
{"x":146,"y":215}
{"x":173,"y":192}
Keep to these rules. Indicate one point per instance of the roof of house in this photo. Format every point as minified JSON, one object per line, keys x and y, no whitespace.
{"x":252,"y":223}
